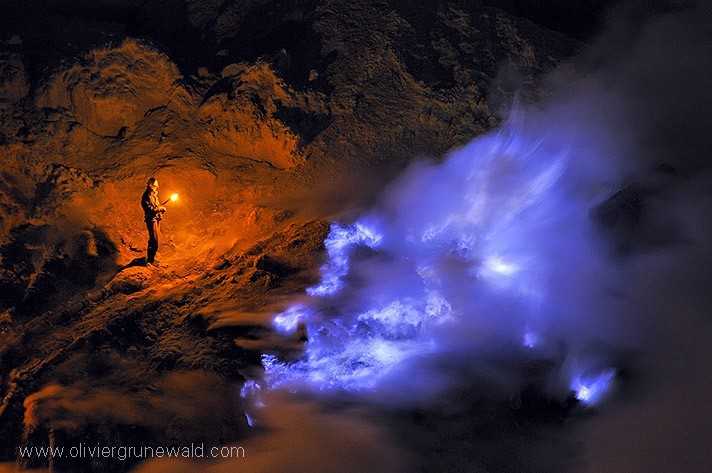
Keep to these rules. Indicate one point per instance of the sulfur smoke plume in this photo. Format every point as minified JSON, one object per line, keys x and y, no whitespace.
{"x":529,"y":242}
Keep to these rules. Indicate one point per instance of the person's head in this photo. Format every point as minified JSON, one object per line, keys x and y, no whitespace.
{"x":152,"y":183}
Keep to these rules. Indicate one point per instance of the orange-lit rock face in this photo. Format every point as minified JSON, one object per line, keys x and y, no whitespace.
{"x":244,"y":149}
{"x":211,"y":213}
{"x":114,"y":88}
{"x":124,"y":114}
{"x":243,"y":123}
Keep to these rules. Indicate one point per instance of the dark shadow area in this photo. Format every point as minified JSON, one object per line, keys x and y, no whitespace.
{"x":214,"y":35}
{"x":134,"y":262}
{"x":43,"y":265}
{"x":306,"y":125}
{"x":577,"y":19}
{"x":288,"y":41}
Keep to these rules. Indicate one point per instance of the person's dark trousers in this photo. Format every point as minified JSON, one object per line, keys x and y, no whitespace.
{"x":153,"y":227}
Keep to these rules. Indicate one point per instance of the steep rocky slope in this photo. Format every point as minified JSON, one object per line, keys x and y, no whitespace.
{"x":269,"y":119}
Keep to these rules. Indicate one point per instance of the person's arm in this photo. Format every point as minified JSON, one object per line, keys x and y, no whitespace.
{"x":152,"y":204}
{"x":157,"y":204}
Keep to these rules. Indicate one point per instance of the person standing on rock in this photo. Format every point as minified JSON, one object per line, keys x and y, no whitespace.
{"x":153,"y":211}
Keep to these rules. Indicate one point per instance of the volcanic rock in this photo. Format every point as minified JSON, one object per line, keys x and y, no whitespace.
{"x":130,"y":280}
{"x":264,"y":119}
{"x":13,"y":80}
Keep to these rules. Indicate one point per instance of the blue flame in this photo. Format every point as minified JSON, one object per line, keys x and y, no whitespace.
{"x":250,"y":420}
{"x":530,"y":339}
{"x":591,"y":390}
{"x":287,"y":321}
{"x":338,"y":243}
{"x":468,"y":246}
{"x":356,"y":356}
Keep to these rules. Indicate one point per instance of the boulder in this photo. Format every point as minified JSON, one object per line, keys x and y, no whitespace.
{"x":131,"y":280}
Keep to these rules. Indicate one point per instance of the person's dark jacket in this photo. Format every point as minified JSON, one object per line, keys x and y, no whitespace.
{"x":152,"y":209}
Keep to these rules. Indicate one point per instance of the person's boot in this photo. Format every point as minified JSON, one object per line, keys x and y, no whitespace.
{"x":150,"y":257}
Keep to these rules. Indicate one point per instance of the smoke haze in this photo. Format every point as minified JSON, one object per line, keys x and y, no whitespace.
{"x":574,"y":234}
